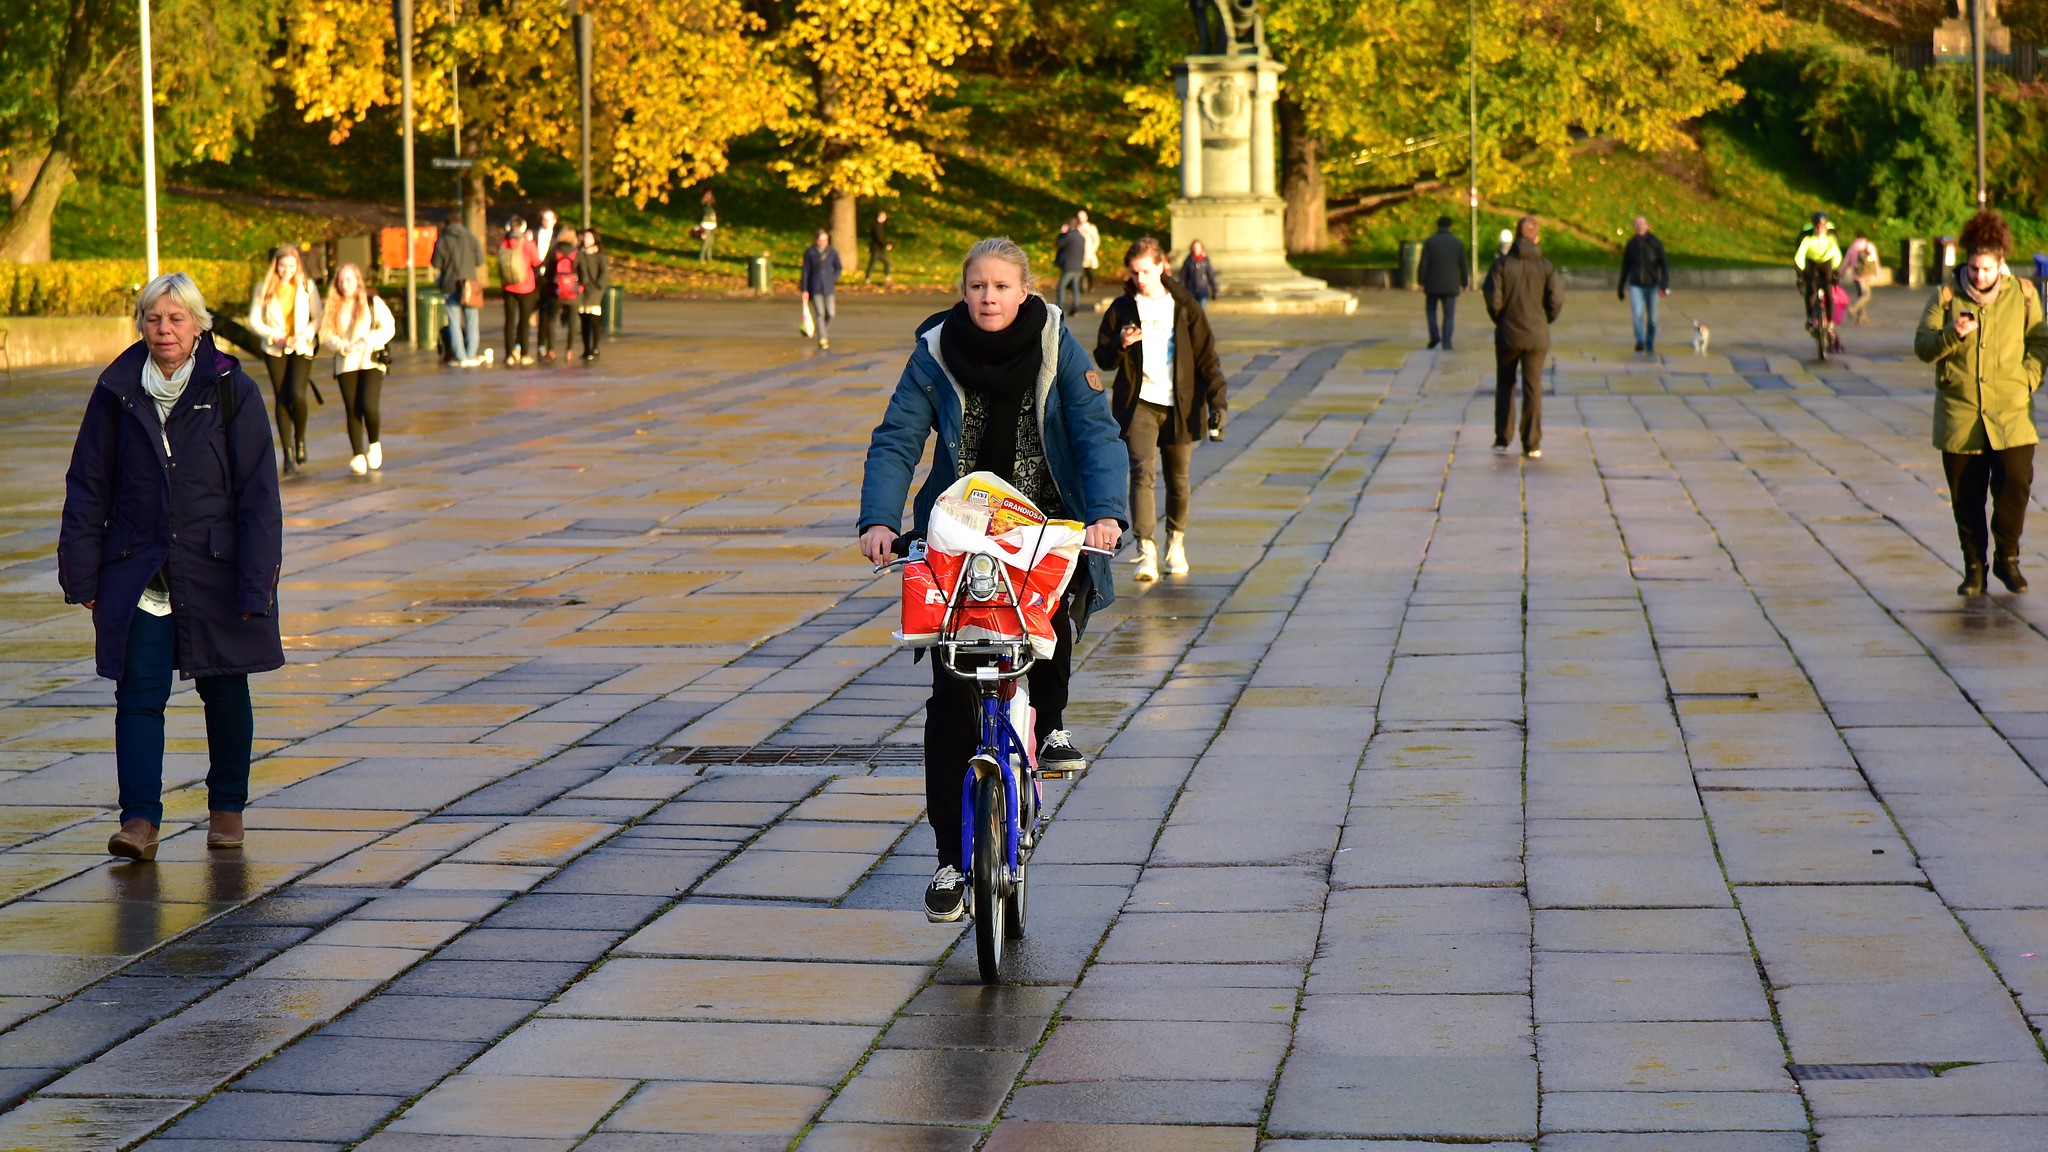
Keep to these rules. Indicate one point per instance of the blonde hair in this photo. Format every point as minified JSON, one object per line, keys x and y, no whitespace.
{"x":1000,"y":248}
{"x":182,"y":292}
{"x":346,"y":318}
{"x":272,"y":281}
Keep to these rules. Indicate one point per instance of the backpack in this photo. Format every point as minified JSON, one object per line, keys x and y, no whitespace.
{"x":513,"y":267}
{"x":567,"y":286}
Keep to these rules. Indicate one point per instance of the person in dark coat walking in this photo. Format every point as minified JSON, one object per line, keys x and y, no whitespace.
{"x":1070,"y":256}
{"x":1645,"y":277}
{"x":593,"y":271}
{"x":1170,"y":393}
{"x":879,"y":247}
{"x":1197,"y":274}
{"x":173,"y":538}
{"x":819,"y":285}
{"x":458,"y":262}
{"x":1444,"y":273}
{"x":1524,"y":296}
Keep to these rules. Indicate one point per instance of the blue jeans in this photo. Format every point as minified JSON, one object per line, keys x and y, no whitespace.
{"x":465,"y":335}
{"x":139,"y":699}
{"x":1068,"y":280}
{"x":1642,"y":305}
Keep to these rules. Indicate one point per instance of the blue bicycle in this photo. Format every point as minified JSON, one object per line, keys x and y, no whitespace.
{"x":1002,"y":794}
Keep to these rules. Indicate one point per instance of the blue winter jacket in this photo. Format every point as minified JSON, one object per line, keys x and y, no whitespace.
{"x":206,"y":512}
{"x":1083,"y":446}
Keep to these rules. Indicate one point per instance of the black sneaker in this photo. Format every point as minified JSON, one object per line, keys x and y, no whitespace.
{"x":945,"y":897}
{"x":1058,"y":753}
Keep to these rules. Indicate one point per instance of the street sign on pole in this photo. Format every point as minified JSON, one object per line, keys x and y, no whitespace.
{"x":584,"y":35}
{"x":412,"y":293}
{"x":148,"y":147}
{"x":452,"y":162}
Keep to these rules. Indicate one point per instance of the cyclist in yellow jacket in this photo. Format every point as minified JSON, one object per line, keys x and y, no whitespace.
{"x":1818,"y":260}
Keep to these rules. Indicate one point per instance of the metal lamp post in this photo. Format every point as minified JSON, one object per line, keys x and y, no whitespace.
{"x":1977,"y":63}
{"x":1472,"y":125}
{"x":148,"y":146}
{"x":412,"y":309}
{"x":585,"y":35}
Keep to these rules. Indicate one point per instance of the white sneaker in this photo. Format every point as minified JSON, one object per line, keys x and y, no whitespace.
{"x":376,"y":460}
{"x":1148,"y":560}
{"x":468,"y":363}
{"x":1176,"y":554}
{"x":358,"y":464}
{"x":490,"y":355}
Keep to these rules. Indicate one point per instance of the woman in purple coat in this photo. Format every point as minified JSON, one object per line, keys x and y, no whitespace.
{"x":172,"y":538}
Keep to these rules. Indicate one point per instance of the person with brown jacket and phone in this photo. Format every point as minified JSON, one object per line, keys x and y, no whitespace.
{"x":1170,"y":393}
{"x":1524,"y":296}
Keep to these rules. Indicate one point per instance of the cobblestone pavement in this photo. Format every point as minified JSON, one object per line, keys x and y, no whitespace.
{"x":1656,"y":795}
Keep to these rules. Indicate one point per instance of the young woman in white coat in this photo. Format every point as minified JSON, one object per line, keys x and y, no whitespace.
{"x":285,"y":313}
{"x":357,"y":327}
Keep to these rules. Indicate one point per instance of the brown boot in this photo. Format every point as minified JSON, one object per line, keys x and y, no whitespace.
{"x":135,"y":841}
{"x":224,"y":830}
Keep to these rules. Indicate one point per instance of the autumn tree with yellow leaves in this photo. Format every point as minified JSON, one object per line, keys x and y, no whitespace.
{"x":674,"y":83}
{"x":868,"y":72}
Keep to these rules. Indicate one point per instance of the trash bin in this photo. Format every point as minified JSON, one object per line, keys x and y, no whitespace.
{"x":432,"y":309}
{"x":1411,"y":265}
{"x":757,"y":273}
{"x":1945,"y":259}
{"x":614,"y":310}
{"x":1912,"y":271}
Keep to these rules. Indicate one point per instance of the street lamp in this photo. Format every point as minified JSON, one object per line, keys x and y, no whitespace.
{"x":148,"y":147}
{"x":585,"y":34}
{"x":1977,"y":62}
{"x":1472,"y":125}
{"x":412,"y":295}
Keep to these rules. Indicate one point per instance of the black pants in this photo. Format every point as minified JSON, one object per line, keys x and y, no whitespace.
{"x":362,"y":396}
{"x":952,"y":724}
{"x":289,"y":380}
{"x":2006,"y":476}
{"x":593,"y":331}
{"x":1151,"y":437}
{"x":518,"y":318}
{"x":875,"y":254}
{"x":1449,"y":303}
{"x":552,"y":313}
{"x":1530,"y":361}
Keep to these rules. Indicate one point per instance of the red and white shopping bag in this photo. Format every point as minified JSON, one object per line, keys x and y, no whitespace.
{"x":982,"y":513}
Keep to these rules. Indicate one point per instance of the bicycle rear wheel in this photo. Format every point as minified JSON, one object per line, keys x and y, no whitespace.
{"x":991,"y":850}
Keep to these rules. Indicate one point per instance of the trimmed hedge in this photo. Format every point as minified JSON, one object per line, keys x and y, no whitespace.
{"x":107,"y":287}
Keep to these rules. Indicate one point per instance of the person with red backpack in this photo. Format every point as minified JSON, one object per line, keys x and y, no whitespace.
{"x":559,"y":289}
{"x":518,"y":261}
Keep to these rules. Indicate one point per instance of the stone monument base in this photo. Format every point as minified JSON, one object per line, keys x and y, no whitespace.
{"x":1247,"y":243}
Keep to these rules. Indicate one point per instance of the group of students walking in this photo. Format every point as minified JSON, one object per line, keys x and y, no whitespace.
{"x":552,"y":277}
{"x":294,"y":323}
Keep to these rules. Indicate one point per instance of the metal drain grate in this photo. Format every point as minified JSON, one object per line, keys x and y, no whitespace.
{"x":524,"y":602}
{"x":773,"y":755}
{"x":1863,"y":1072}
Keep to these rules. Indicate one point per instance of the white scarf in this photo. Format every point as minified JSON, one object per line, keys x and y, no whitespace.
{"x":165,"y":390}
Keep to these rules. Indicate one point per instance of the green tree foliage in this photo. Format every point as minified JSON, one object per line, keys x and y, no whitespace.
{"x":1896,"y":141}
{"x":72,"y":103}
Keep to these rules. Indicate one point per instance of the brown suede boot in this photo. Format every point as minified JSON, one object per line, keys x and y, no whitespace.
{"x":224,"y":830}
{"x":135,"y":841}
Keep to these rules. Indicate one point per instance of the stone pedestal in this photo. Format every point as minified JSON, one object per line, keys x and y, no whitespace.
{"x":1228,"y":199}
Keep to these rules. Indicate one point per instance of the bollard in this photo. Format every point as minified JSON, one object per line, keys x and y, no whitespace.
{"x":757,"y":273}
{"x":1912,"y":271}
{"x":614,"y":309}
{"x":1411,"y":265}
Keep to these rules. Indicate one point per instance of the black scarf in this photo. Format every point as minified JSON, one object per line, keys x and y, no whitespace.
{"x":1001,"y":368}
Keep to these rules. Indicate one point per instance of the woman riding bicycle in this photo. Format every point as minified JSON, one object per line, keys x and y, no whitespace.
{"x":1007,"y":390}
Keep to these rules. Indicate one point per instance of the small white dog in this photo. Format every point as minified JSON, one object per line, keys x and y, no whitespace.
{"x":1701,"y":335}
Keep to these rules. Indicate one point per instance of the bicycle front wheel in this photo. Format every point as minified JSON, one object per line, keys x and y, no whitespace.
{"x":991,"y":852}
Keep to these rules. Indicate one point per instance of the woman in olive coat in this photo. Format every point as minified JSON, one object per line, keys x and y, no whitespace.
{"x":1982,"y":331}
{"x":172,"y":538}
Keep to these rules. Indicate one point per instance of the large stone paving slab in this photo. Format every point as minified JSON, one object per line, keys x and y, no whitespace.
{"x":1659,"y":794}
